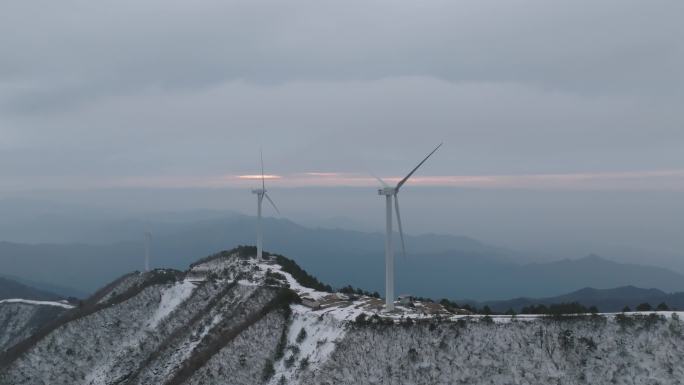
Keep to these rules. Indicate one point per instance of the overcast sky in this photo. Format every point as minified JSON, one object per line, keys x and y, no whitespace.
{"x":541,"y":95}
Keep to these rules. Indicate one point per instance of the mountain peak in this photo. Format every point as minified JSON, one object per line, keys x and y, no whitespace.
{"x":234,"y":315}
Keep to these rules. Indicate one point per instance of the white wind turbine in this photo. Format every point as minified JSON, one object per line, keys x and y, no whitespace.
{"x":390,"y":192}
{"x":261,"y":193}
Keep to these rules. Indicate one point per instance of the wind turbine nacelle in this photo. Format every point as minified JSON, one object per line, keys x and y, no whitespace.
{"x":386,"y":191}
{"x":259,"y":191}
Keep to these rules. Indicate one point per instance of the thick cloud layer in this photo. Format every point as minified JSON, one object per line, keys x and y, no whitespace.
{"x":127,"y":88}
{"x":84,"y":48}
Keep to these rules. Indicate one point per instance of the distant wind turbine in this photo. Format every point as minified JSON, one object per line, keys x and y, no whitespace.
{"x":390,"y":192}
{"x":148,"y":239}
{"x":261,"y":193}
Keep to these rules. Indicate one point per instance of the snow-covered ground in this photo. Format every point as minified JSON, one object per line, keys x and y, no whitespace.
{"x":294,"y":285}
{"x":346,"y":309}
{"x":311,"y":339}
{"x":212,"y":322}
{"x":123,"y":284}
{"x":171,"y":297}
{"x":39,"y":303}
{"x":20,"y":318}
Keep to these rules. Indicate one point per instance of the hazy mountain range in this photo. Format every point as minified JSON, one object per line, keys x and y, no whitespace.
{"x":12,"y":289}
{"x":606,"y":300}
{"x":436,"y":265}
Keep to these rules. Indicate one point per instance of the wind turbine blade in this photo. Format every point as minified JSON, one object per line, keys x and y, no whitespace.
{"x":382,"y":182}
{"x":401,"y":230}
{"x":272,"y":204}
{"x":263,"y":183}
{"x":419,"y":164}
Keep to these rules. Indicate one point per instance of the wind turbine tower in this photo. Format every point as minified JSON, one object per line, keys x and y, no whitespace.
{"x":261,"y":193}
{"x":148,"y":240}
{"x":389,"y":193}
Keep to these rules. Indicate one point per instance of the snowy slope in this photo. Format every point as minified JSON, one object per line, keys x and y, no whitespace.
{"x":231,"y":319}
{"x":541,"y":352}
{"x":20,"y":318}
{"x":63,"y":305}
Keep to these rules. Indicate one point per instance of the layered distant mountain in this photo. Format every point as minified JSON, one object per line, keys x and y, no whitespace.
{"x":436,"y":266}
{"x":13,"y":289}
{"x":606,"y":300}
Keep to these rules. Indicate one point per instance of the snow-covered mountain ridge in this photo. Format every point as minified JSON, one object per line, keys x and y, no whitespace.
{"x":20,"y":318}
{"x":232,"y":319}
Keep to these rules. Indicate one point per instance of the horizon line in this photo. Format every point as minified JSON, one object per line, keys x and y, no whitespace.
{"x":664,"y":179}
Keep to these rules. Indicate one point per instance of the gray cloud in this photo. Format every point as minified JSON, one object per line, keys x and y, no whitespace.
{"x":74,"y":50}
{"x":381,"y":125}
{"x":93,"y":93}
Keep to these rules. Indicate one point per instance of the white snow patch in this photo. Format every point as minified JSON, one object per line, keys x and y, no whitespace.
{"x":32,"y":302}
{"x":322,"y":334}
{"x":294,"y":285}
{"x":347,"y":313}
{"x":171,"y":297}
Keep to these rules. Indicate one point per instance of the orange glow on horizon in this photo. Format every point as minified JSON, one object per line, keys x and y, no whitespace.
{"x":654,"y":180}
{"x":259,"y":176}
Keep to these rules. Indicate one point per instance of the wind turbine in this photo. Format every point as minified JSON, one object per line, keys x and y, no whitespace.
{"x":148,"y":239}
{"x":389,"y":193}
{"x":261,"y":193}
